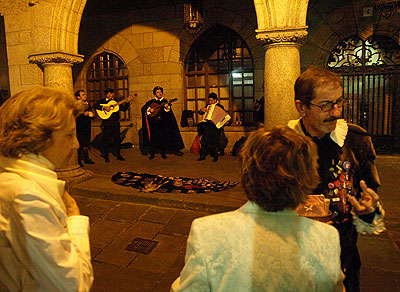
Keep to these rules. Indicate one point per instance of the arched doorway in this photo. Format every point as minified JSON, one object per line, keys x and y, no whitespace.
{"x":220,"y":61}
{"x":108,"y":71}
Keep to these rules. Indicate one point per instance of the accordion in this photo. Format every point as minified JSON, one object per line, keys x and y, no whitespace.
{"x":216,"y":115}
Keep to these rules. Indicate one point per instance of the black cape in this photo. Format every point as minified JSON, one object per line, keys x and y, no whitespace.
{"x":161,"y":131}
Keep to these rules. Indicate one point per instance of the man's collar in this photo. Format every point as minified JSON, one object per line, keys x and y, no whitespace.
{"x":338,"y":135}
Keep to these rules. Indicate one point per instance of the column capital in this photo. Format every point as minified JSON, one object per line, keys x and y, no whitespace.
{"x":55,"y":57}
{"x":285,"y":36}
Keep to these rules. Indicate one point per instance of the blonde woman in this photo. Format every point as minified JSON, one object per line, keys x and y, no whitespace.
{"x":44,"y":244}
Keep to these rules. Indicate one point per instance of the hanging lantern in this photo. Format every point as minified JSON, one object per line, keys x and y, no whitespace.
{"x":387,"y":8}
{"x":193,"y":20}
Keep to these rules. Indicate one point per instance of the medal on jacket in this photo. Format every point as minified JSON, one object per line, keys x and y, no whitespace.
{"x":341,"y":185}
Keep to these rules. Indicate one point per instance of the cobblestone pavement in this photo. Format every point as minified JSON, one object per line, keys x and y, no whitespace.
{"x":121,"y":214}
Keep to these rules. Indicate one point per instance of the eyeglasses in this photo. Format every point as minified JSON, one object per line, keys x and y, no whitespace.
{"x":328,"y":106}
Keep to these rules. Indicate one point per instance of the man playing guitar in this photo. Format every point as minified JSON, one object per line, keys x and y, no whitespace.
{"x":110,"y":125}
{"x":159,"y":127}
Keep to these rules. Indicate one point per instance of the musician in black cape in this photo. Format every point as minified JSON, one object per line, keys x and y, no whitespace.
{"x":110,"y":127}
{"x":159,"y":127}
{"x":84,"y":128}
{"x":213,"y":140}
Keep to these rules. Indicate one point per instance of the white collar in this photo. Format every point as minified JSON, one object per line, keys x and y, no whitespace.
{"x":338,"y":135}
{"x":252,"y":207}
{"x":39,"y":169}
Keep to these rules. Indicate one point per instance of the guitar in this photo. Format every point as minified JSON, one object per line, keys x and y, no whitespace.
{"x":157,"y":107}
{"x":114,"y":107}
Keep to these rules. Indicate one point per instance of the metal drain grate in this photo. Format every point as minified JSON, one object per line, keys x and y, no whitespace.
{"x":142,"y":245}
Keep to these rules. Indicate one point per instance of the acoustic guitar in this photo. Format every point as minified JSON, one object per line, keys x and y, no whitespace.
{"x":114,"y":107}
{"x":157,"y":107}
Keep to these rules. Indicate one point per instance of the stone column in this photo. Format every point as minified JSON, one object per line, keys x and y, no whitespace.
{"x":57,"y":69}
{"x":282,"y":67}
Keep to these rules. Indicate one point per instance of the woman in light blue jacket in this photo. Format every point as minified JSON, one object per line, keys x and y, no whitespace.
{"x":265,"y":245}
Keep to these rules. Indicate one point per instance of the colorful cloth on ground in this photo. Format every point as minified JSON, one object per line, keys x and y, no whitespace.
{"x":162,"y":184}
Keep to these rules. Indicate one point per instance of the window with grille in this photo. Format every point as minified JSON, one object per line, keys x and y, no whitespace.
{"x":219,"y":61}
{"x":370,"y":71}
{"x":108,"y":71}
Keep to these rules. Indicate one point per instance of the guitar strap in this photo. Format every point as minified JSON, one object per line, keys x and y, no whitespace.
{"x":148,"y":128}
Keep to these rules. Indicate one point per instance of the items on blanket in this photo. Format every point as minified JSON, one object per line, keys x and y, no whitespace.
{"x":158,"y":183}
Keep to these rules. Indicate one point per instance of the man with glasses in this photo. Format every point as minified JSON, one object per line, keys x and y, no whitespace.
{"x":348,"y":175}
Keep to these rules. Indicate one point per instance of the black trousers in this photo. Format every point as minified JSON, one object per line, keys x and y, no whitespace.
{"x":111,"y":138}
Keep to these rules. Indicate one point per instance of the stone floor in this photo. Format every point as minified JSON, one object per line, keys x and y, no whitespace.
{"x":120,"y":214}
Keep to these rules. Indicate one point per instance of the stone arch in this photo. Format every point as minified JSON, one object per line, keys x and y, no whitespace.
{"x":117,"y":45}
{"x":232,"y":20}
{"x":60,"y":33}
{"x":337,"y":24}
{"x":66,"y":31}
{"x":273,"y":14}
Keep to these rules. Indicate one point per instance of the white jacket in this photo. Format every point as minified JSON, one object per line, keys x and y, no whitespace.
{"x":253,"y":250}
{"x":41,"y":248}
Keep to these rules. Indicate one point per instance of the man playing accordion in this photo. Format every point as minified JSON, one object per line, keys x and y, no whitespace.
{"x":213,"y":139}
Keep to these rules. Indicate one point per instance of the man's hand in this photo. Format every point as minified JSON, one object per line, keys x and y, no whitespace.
{"x":368,"y":202}
{"x":106,"y":108}
{"x":70,"y":204}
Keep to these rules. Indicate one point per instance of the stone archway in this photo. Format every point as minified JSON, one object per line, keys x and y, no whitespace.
{"x":50,"y":42}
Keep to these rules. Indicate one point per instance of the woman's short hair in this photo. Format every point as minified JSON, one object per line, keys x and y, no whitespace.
{"x":158,"y":88}
{"x":28,"y":119}
{"x":279,"y":168}
{"x":312,"y":78}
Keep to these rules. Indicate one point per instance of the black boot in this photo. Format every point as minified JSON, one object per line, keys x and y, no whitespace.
{"x":80,"y":157}
{"x":214,"y":154}
{"x":86,"y":159}
{"x":119,"y":157}
{"x":105,"y":156}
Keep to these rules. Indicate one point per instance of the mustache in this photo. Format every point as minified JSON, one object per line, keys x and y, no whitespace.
{"x":331,"y":120}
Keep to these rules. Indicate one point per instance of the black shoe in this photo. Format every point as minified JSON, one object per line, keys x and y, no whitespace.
{"x":119,"y":157}
{"x":151,"y":156}
{"x":106,"y":159}
{"x":178,"y":153}
{"x":164,"y":156}
{"x":89,"y":161}
{"x":201,"y":158}
{"x":80,"y":163}
{"x":221,"y":153}
{"x":215,"y":159}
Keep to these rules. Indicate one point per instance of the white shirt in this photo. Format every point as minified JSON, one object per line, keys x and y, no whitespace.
{"x":41,"y":248}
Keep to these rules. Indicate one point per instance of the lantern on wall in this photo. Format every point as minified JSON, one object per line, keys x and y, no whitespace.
{"x":387,"y":8}
{"x":193,"y":19}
